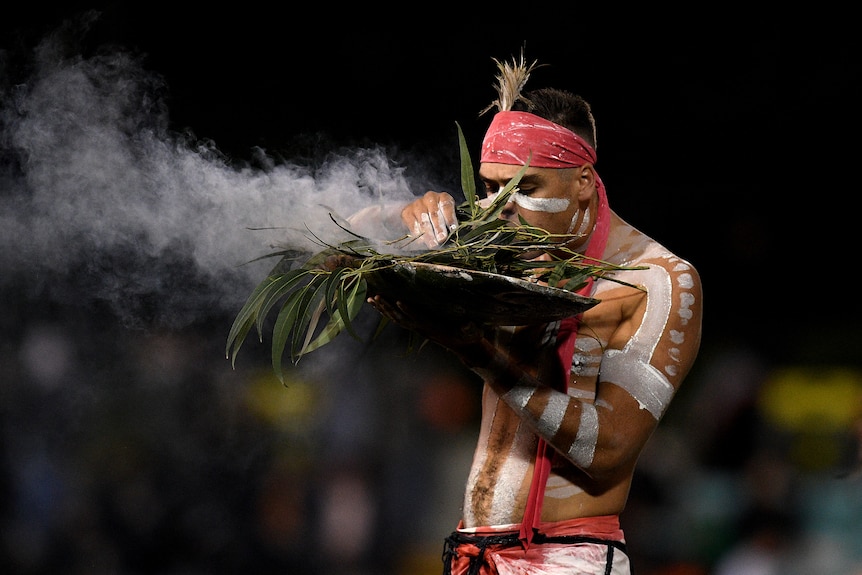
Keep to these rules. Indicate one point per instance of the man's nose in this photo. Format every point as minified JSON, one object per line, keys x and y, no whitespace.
{"x":509,"y":211}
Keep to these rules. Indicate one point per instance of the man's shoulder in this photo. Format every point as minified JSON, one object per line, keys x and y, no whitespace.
{"x":649,"y":252}
{"x":647,"y":264}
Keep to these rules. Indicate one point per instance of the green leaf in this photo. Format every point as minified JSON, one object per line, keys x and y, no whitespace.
{"x":285,"y":323}
{"x":283,"y":285}
{"x":335,"y":289}
{"x":468,"y":178}
{"x":316,"y":313}
{"x":247,"y":316}
{"x":349,"y":307}
{"x":305,"y":314}
{"x":475,"y":232}
{"x":341,"y":318}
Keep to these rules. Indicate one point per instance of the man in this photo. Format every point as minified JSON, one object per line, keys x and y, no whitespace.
{"x":567,"y":407}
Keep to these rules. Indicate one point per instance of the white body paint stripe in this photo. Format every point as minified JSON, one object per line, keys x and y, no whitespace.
{"x":630,"y":368}
{"x":552,"y":418}
{"x":515,"y":467}
{"x":650,"y":388}
{"x":519,"y":396}
{"x":583,"y":449}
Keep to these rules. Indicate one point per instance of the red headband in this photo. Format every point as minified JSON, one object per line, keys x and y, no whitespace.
{"x":512,"y":136}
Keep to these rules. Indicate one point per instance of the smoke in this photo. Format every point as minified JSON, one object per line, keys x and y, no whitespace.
{"x":101,"y":202}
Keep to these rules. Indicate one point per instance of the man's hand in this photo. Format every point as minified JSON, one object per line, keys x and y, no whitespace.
{"x":431,"y":218}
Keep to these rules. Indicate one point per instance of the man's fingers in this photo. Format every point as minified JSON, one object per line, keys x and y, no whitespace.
{"x":446,"y":218}
{"x":431,"y":218}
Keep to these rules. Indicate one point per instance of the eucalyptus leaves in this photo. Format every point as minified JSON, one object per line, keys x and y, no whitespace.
{"x":319,"y":298}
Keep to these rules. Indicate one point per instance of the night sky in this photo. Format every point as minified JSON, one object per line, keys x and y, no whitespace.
{"x":729,"y":138}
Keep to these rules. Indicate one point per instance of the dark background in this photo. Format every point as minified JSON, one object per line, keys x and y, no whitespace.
{"x":730,"y":137}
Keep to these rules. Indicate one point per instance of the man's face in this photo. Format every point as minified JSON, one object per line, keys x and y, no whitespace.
{"x":546,"y":198}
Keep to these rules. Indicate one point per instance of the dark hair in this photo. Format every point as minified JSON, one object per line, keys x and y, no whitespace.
{"x":561,"y":107}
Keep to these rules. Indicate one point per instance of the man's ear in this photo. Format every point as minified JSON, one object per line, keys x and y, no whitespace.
{"x":586,"y":182}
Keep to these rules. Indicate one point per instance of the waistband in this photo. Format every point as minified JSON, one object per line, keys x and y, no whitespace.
{"x":605,"y":527}
{"x":468,"y":548}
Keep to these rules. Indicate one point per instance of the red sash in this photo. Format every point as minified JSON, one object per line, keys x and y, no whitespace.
{"x":566,"y":335}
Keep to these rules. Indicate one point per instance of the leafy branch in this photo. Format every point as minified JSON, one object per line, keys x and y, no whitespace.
{"x":332,"y":283}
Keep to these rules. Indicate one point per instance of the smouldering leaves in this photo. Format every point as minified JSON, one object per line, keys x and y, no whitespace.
{"x":330,"y":287}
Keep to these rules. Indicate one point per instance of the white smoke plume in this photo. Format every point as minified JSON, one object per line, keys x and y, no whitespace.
{"x":100,"y":200}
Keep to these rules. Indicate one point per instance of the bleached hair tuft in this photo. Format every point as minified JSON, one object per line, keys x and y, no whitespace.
{"x":510,"y":81}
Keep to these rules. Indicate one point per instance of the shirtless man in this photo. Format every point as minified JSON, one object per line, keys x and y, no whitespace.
{"x":567,"y":407}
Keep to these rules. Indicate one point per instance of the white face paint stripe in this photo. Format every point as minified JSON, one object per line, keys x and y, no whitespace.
{"x":547,"y":205}
{"x":647,"y":385}
{"x":583,"y":449}
{"x":585,"y":222}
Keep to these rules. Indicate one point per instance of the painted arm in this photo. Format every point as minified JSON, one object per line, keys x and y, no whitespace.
{"x":647,"y":354}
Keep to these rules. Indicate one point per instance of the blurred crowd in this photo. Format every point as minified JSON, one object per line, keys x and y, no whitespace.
{"x":131,"y":452}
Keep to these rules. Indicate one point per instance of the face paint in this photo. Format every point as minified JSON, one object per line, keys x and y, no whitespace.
{"x":585,"y":222}
{"x":547,"y":205}
{"x":487,"y":200}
